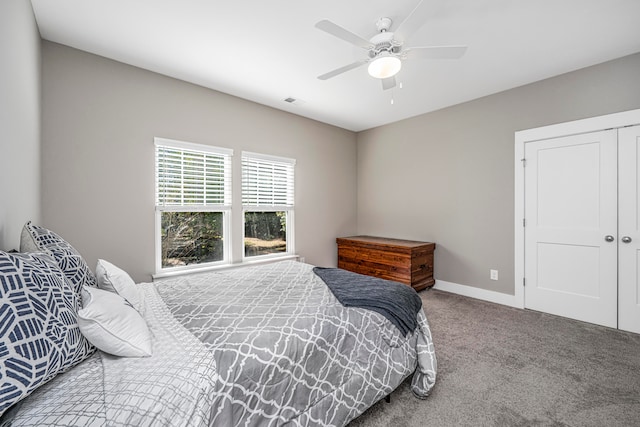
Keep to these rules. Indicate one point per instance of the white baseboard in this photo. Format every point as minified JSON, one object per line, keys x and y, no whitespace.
{"x":477,"y":293}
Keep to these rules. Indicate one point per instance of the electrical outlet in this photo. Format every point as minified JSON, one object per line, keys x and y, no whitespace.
{"x":493,"y":274}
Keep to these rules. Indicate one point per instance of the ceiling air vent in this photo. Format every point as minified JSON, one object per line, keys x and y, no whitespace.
{"x":295,"y":101}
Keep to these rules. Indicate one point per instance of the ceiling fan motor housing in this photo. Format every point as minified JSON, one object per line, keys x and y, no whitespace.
{"x":383,"y":42}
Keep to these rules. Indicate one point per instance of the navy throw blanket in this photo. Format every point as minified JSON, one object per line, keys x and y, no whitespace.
{"x":397,"y":302}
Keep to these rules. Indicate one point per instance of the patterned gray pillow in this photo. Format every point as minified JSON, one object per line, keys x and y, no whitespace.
{"x":39,"y":325}
{"x":68,"y":258}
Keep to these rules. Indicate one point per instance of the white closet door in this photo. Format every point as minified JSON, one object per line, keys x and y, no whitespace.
{"x":629,"y":229}
{"x":570,"y":209}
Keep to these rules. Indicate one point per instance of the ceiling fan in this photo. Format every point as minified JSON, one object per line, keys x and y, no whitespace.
{"x":386,"y":50}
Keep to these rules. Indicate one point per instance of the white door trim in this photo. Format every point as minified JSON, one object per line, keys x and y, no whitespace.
{"x":609,"y":121}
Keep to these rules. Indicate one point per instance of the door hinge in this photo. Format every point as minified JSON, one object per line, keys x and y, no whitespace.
{"x":524,"y":162}
{"x":524,"y":282}
{"x":524,"y":222}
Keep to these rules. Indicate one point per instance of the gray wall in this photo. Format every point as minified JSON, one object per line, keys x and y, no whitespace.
{"x":448,"y":176}
{"x":99,"y":121}
{"x":19,"y":120}
{"x":445,"y":176}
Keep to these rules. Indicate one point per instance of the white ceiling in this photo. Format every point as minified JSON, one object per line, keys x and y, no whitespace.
{"x":266,"y":51}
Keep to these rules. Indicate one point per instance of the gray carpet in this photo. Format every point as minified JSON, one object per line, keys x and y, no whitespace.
{"x":500,"y":366}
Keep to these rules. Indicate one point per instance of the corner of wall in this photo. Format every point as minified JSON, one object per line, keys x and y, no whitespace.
{"x":20,"y":120}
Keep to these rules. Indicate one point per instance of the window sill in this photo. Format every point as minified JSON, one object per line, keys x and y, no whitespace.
{"x":245,"y":263}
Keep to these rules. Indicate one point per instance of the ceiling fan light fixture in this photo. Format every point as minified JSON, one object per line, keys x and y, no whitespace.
{"x":384,"y":66}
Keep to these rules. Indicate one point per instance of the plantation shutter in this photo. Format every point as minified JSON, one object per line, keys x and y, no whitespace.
{"x":192,"y":176}
{"x":267,"y":181}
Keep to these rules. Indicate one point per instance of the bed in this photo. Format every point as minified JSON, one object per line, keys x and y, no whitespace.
{"x":266,"y":345}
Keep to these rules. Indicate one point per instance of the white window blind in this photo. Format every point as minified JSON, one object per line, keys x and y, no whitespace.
{"x":267,"y":181}
{"x":192,"y":175}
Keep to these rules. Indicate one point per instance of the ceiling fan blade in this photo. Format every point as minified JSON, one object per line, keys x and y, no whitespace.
{"x":416,"y":19}
{"x":434,"y":52}
{"x":388,"y":83}
{"x":341,"y":33}
{"x":341,"y":70}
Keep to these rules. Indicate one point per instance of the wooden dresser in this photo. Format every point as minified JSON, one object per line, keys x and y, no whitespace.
{"x":405,"y":261}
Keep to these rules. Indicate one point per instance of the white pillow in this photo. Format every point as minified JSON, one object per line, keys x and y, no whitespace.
{"x":112,"y":325}
{"x":113,"y":279}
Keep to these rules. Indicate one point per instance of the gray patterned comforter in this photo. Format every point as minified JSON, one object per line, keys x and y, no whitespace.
{"x":260,"y":346}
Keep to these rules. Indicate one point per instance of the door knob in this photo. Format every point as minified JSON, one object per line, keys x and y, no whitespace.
{"x":609,"y":238}
{"x":626,"y":239}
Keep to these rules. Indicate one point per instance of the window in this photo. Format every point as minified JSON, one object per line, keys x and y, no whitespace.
{"x":193,"y":203}
{"x":267,"y":201}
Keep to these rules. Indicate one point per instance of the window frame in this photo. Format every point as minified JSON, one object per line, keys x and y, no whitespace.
{"x":288,"y":206}
{"x":225,"y":208}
